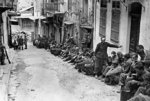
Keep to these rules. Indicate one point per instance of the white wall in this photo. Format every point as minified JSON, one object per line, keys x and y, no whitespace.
{"x":124,"y":33}
{"x":145,"y":26}
{"x":64,"y":6}
{"x":24,"y":4}
{"x":4,"y":15}
{"x":96,"y":37}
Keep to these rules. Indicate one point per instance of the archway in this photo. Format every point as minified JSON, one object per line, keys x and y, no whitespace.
{"x":135,"y":15}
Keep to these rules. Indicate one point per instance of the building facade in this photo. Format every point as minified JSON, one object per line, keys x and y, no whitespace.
{"x":72,"y":20}
{"x":87,"y":23}
{"x":123,"y":22}
{"x":54,"y":11}
{"x":5,"y":5}
{"x":79,"y":22}
{"x":26,"y":24}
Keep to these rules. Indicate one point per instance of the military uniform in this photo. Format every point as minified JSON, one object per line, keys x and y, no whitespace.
{"x":101,"y":56}
{"x":25,"y":41}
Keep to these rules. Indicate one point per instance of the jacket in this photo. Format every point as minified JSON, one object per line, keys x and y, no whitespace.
{"x":101,"y":49}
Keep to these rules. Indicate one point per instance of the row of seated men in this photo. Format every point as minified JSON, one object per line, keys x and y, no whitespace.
{"x":131,"y":74}
{"x":126,"y":70}
{"x":42,"y":42}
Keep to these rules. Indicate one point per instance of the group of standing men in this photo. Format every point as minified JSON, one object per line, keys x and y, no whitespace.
{"x":20,"y":42}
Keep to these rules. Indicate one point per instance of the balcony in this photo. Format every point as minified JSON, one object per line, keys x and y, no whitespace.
{"x":6,"y":3}
{"x":52,"y":7}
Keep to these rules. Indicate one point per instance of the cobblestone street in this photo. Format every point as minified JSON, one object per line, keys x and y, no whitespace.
{"x":40,"y":76}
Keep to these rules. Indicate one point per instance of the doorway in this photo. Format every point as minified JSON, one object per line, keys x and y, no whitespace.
{"x":135,"y":14}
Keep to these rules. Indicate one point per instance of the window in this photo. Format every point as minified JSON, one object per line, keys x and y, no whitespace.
{"x":115,"y":22}
{"x":52,"y":0}
{"x":26,"y":24}
{"x":103,"y":15}
{"x":104,"y":3}
{"x":116,"y":4}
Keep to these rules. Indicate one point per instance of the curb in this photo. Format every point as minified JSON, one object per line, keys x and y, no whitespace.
{"x":4,"y":84}
{"x":9,"y":74}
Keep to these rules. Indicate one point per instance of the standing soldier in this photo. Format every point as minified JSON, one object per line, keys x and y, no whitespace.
{"x":18,"y":38}
{"x":2,"y":54}
{"x":25,"y":41}
{"x":101,"y":56}
{"x":15,"y":43}
{"x":21,"y":42}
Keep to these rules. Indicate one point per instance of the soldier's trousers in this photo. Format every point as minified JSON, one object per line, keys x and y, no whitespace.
{"x":99,"y":63}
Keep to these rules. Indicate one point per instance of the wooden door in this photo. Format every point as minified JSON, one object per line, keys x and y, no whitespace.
{"x":135,"y":30}
{"x":135,"y":14}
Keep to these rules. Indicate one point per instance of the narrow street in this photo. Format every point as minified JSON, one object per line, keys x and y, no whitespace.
{"x":40,"y":76}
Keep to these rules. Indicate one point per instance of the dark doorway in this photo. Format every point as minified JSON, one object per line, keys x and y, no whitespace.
{"x":135,"y":15}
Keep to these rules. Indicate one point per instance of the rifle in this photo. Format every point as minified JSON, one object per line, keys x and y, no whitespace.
{"x":7,"y":56}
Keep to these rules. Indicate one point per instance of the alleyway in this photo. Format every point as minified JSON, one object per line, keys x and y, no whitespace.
{"x":40,"y":76}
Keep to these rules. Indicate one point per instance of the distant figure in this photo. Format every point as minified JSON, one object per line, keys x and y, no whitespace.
{"x":25,"y":41}
{"x":20,"y":42}
{"x":15,"y":43}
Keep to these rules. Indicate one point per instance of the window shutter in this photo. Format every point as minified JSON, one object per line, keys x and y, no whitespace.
{"x":115,"y":22}
{"x":103,"y":15}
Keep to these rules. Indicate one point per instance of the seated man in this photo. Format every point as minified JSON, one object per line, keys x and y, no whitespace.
{"x":120,"y":58}
{"x":65,"y":52}
{"x":112,"y":76}
{"x":108,"y":65}
{"x":85,"y":60}
{"x":143,"y":92}
{"x":128,"y":67}
{"x":75,"y":55}
{"x":70,"y":56}
{"x":79,"y":58}
{"x":88,"y":67}
{"x":137,"y":79}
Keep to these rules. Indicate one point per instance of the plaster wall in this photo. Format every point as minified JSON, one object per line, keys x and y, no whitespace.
{"x":145,"y":26}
